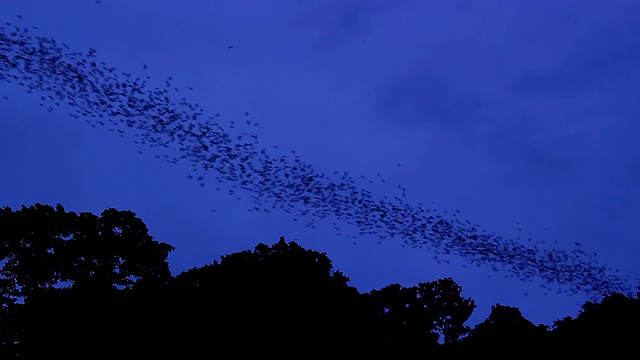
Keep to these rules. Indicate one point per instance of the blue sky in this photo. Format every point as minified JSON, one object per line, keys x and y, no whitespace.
{"x":521,"y":115}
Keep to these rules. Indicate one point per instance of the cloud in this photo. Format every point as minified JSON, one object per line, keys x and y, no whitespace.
{"x":530,"y":160}
{"x":605,"y":56}
{"x":416,"y":99}
{"x":513,"y":136}
{"x":339,"y":22}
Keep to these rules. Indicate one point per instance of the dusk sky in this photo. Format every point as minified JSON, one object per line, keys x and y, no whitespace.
{"x":522,"y":115}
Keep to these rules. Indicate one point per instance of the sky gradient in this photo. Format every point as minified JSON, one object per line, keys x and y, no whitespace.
{"x":522,"y":116}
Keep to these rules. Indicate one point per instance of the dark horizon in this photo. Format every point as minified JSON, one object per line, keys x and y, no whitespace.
{"x":118,"y":299}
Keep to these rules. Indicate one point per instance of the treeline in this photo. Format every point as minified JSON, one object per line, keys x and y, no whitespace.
{"x":86,"y":286}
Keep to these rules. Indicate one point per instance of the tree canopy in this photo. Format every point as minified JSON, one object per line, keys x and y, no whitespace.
{"x":44,"y":246}
{"x":423,"y":312}
{"x":73,"y":285}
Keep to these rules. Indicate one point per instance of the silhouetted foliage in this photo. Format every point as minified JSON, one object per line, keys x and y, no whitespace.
{"x":506,"y":333}
{"x":82,"y":286}
{"x":274,"y":300}
{"x":420,"y":313}
{"x":43,"y":248}
{"x":610,"y":328}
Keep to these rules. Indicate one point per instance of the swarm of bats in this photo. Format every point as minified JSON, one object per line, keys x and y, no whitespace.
{"x":158,"y":117}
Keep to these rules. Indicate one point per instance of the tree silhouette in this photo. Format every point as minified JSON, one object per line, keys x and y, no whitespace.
{"x":610,"y":328}
{"x":419,"y":314}
{"x":79,"y":285}
{"x":281,"y":299}
{"x":506,"y":333}
{"x":43,"y":249}
{"x":450,"y":309}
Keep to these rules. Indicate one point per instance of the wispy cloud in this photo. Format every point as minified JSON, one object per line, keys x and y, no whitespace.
{"x":412,"y":99}
{"x":605,"y":57}
{"x":340,"y":22}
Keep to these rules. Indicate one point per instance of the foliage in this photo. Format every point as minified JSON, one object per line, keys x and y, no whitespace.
{"x":42,"y":247}
{"x":423,"y":311}
{"x":73,"y":285}
{"x":278,"y":298}
{"x":611,"y":327}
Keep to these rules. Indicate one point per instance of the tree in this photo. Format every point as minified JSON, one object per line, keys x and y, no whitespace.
{"x":450,"y":309}
{"x":611,"y":328}
{"x":419,"y":314}
{"x":506,"y":333}
{"x":279,"y":300}
{"x":42,"y":247}
{"x":59,"y":267}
